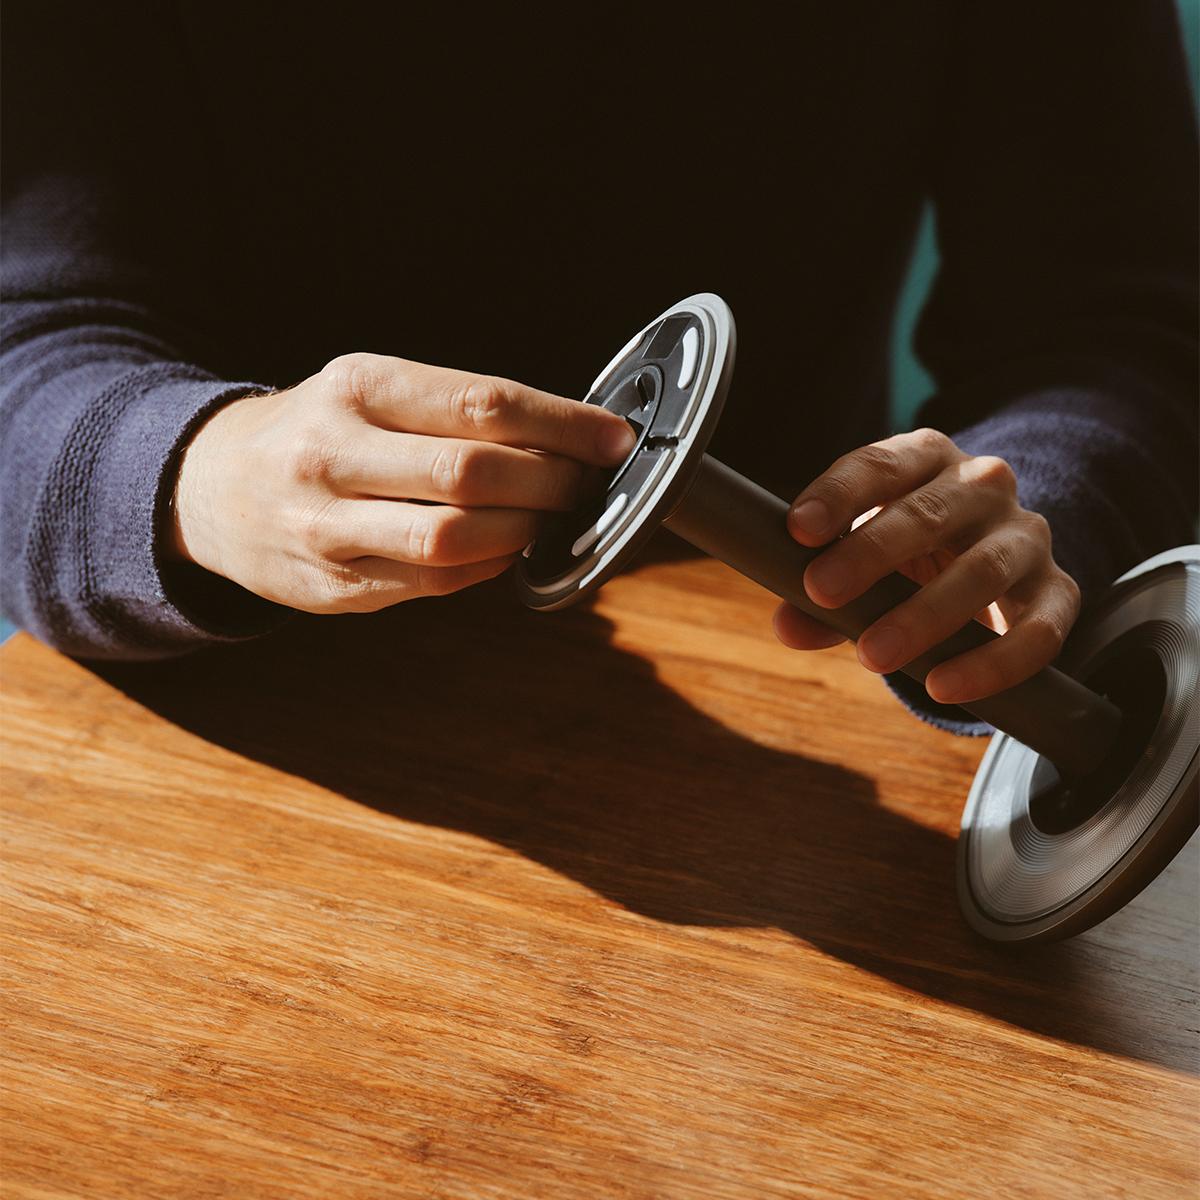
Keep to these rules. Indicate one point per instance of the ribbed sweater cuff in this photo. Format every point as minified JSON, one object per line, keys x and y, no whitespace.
{"x":145,"y":606}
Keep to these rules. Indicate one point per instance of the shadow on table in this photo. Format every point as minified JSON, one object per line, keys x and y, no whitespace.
{"x":533,"y":731}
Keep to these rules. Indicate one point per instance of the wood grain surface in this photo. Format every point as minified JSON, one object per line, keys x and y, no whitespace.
{"x":465,"y":901}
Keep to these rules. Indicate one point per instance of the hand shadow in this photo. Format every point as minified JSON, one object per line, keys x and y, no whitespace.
{"x":474,"y":714}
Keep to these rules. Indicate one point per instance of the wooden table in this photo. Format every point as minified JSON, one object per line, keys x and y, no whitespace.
{"x":466,"y":901}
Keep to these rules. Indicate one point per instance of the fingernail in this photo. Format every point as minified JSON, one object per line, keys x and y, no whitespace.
{"x":616,"y":442}
{"x":949,"y":686}
{"x":812,"y":516}
{"x":883,"y":648}
{"x":830,"y":578}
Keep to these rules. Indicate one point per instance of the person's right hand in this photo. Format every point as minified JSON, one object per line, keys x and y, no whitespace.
{"x":378,"y":480}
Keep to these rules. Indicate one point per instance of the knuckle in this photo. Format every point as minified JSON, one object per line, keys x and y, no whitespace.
{"x":1072,"y":592}
{"x":473,"y":473}
{"x":879,"y":462}
{"x":348,"y":375}
{"x":452,"y":471}
{"x":343,"y":589}
{"x":341,"y":586}
{"x":1038,"y":528}
{"x":433,"y":538}
{"x":481,"y":404}
{"x":836,"y":490}
{"x":332,"y":587}
{"x":994,"y":472}
{"x":1068,"y":596}
{"x":928,"y":439}
{"x":311,"y":455}
{"x":990,"y":565}
{"x":422,"y":538}
{"x":929,"y":511}
{"x":1045,"y":634}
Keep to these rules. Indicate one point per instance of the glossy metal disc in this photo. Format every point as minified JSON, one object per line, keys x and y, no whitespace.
{"x":670,"y":382}
{"x":1022,"y":879}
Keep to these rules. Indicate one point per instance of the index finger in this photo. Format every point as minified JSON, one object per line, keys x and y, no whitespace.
{"x":865,"y":478}
{"x":415,"y":398}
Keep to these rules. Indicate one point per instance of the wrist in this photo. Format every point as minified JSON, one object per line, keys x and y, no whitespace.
{"x":192,"y":531}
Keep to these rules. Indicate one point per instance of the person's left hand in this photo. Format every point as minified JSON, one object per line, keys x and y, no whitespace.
{"x":951,"y":522}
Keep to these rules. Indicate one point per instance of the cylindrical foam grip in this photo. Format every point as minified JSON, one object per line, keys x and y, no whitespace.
{"x":733,"y":519}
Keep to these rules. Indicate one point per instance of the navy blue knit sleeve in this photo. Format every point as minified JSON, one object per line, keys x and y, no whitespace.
{"x":106,"y":305}
{"x":1061,"y":330}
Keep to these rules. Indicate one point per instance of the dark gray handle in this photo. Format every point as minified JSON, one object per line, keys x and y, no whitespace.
{"x":733,"y":519}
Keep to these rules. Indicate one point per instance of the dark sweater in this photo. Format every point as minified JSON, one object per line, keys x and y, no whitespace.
{"x":200,"y":198}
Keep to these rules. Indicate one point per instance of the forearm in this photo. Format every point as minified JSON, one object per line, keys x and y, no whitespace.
{"x":95,"y":408}
{"x":113,"y":296}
